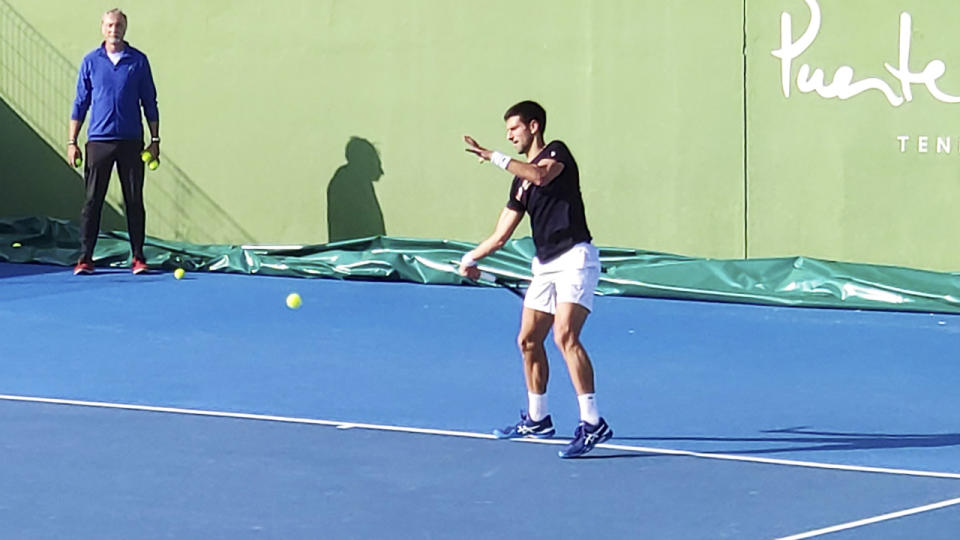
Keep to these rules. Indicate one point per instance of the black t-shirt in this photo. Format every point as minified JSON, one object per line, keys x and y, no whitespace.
{"x":556,"y":210}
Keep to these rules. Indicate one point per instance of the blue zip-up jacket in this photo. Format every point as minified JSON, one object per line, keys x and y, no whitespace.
{"x":114,"y":95}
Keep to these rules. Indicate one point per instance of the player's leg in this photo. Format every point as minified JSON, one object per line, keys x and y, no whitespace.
{"x":534,"y":327}
{"x":575,"y":288}
{"x":567,"y":326}
{"x":535,"y":323}
{"x":97,"y":169}
{"x":592,"y":429}
{"x":130,"y":169}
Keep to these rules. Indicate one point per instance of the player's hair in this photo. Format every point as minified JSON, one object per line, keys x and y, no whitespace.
{"x":115,"y":11}
{"x":527,"y":111}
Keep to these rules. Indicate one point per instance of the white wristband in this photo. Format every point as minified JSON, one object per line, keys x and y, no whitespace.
{"x":467,"y":260}
{"x":500,"y":160}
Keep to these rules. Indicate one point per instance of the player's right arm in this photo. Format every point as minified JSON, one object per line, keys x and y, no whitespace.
{"x":80,"y":106}
{"x":73,"y":150}
{"x":506,"y":224}
{"x":539,"y":174}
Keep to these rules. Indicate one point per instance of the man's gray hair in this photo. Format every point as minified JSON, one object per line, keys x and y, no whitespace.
{"x":115,"y":11}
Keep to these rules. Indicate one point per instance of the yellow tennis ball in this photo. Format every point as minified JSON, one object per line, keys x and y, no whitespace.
{"x":294,"y":301}
{"x":153,"y":165}
{"x":146,"y":156}
{"x":179,"y":273}
{"x":16,"y":244}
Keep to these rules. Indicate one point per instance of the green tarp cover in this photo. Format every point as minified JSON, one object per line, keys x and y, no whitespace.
{"x":789,"y":281}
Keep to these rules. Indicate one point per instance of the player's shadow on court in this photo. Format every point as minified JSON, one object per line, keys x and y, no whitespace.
{"x":801,"y":439}
{"x":352,"y":207}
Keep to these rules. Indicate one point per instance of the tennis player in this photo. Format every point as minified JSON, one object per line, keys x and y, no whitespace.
{"x":565,"y":272}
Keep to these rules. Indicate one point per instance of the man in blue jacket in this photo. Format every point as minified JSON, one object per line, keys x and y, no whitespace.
{"x":114,"y":83}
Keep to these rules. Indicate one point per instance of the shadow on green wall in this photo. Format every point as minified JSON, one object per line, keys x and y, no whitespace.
{"x":36,"y":181}
{"x":352,"y":207}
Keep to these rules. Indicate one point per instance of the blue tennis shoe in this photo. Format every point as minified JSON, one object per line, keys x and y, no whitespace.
{"x":585,"y":437}
{"x":527,"y":428}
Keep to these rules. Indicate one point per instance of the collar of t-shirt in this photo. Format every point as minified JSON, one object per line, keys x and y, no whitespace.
{"x":115,"y":56}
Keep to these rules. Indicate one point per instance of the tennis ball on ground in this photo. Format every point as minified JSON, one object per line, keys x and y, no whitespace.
{"x":179,"y":273}
{"x":294,"y":301}
{"x":146,"y":156}
{"x":153,"y":165}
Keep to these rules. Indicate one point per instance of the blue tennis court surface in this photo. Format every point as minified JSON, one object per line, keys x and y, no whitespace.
{"x":245,"y":419}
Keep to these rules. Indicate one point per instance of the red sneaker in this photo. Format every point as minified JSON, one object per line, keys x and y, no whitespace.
{"x":84,"y":266}
{"x":139,"y":266}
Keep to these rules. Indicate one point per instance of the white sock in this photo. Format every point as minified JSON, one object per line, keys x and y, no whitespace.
{"x":538,"y":406}
{"x":588,"y":409}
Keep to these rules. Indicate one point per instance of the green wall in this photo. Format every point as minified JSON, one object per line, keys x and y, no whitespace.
{"x":827,"y":177}
{"x":33,"y":178}
{"x":258,"y":105}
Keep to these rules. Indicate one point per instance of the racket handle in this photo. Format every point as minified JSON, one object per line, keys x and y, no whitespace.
{"x":487,"y":276}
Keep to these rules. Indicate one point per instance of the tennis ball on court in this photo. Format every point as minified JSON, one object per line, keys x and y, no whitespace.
{"x":153,"y":165}
{"x":294,"y":301}
{"x":179,"y":273}
{"x":146,"y":156}
{"x":16,"y":244}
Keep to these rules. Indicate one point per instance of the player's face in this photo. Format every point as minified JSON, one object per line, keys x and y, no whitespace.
{"x":113,"y":27}
{"x":519,"y":134}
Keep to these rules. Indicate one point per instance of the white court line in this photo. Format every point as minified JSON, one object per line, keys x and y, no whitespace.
{"x":788,"y":462}
{"x":245,"y":416}
{"x":869,"y":521}
{"x":429,"y":431}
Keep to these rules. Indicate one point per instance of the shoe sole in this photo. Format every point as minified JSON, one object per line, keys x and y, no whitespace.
{"x":501,"y":435}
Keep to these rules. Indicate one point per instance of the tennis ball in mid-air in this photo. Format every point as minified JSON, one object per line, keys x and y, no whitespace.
{"x":153,"y":165}
{"x":16,"y":244}
{"x":146,"y":156}
{"x":179,"y":273}
{"x":294,"y":301}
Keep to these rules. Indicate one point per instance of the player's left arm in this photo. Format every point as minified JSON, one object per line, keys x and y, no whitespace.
{"x":154,"y":146}
{"x":538,"y":174}
{"x":148,"y":101}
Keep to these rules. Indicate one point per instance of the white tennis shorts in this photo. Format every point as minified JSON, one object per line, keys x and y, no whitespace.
{"x":571,"y":277}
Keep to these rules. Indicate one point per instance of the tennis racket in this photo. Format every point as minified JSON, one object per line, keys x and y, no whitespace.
{"x":490,"y":277}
